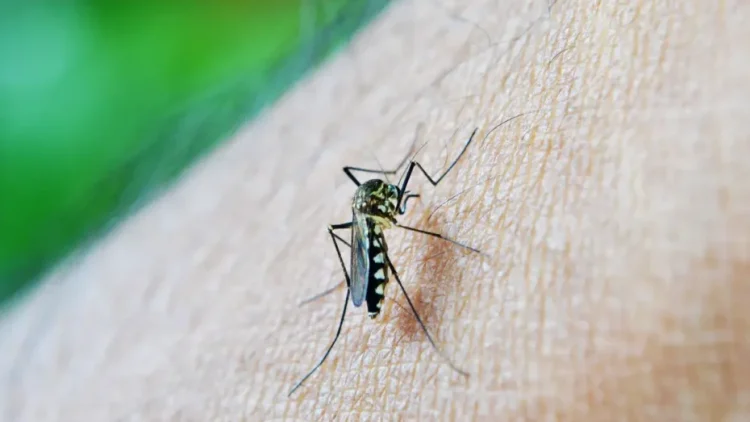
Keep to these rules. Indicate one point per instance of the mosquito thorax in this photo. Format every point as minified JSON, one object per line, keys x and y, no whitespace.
{"x":376,"y":198}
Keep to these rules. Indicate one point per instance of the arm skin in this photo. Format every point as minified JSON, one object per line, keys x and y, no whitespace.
{"x":614,"y":213}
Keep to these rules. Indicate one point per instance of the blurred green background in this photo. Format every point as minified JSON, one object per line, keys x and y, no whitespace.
{"x":102,"y":104}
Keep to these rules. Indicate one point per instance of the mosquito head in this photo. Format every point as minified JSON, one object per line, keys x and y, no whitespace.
{"x":376,"y":198}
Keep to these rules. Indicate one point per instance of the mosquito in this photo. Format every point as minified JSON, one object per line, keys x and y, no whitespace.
{"x":375,"y":206}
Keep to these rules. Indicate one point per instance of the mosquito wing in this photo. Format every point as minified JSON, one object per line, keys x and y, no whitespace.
{"x":360,"y":262}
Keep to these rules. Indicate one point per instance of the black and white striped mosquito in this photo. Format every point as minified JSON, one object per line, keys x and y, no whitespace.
{"x":375,"y":206}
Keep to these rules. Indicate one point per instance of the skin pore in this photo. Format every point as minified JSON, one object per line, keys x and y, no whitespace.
{"x":613,"y":211}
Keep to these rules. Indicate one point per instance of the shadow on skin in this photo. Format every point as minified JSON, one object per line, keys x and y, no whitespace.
{"x":432,"y":281}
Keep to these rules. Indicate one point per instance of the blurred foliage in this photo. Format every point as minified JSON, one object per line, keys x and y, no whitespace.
{"x":102,"y":103}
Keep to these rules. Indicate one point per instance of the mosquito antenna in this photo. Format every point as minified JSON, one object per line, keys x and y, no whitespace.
{"x":348,"y":169}
{"x":419,"y":320}
{"x":412,"y":152}
{"x":382,"y":170}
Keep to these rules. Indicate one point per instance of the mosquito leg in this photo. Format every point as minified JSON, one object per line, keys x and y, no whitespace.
{"x":407,"y":197}
{"x":336,"y":337}
{"x":436,"y":180}
{"x":342,"y":240}
{"x":334,"y":236}
{"x":419,"y":320}
{"x":440,"y":236}
{"x":343,"y":312}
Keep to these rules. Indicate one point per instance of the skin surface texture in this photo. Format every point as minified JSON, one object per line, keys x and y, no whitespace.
{"x":613,"y":209}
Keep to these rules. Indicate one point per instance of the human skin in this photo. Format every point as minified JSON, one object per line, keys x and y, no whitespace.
{"x":613,"y":216}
